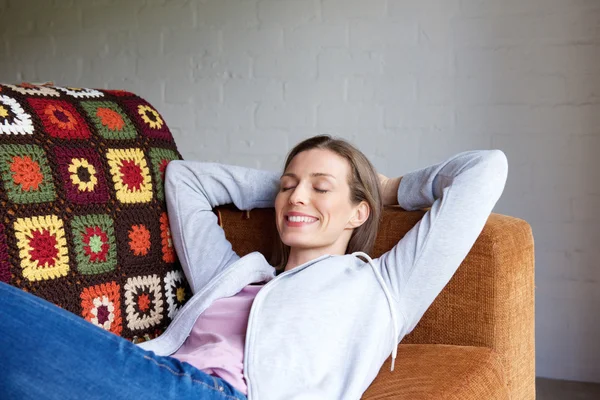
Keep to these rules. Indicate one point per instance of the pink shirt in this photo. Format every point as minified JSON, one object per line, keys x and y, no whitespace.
{"x":216,"y":342}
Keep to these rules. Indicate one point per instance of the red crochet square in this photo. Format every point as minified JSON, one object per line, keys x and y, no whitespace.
{"x":60,"y":119}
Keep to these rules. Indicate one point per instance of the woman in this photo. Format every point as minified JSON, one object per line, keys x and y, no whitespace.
{"x":320,"y":329}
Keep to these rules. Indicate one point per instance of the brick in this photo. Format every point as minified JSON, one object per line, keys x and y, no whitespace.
{"x":123,"y":17}
{"x":4,"y":53}
{"x":347,"y":115}
{"x":585,"y":207}
{"x":287,"y":13}
{"x":252,"y":41}
{"x":366,"y":35}
{"x":124,"y":67}
{"x":62,"y":4}
{"x":262,"y":142}
{"x":540,"y":148}
{"x":512,"y":88}
{"x":563,"y":59}
{"x":66,"y":22}
{"x":70,"y":69}
{"x":222,"y":65}
{"x":336,"y":10}
{"x":341,"y":62}
{"x":395,"y":89}
{"x":246,"y":91}
{"x":473,"y":61}
{"x":13,"y":71}
{"x":436,"y":29}
{"x":478,"y":8}
{"x":441,"y":144}
{"x":425,"y":60}
{"x":28,"y":49}
{"x":202,"y":91}
{"x":421,"y":117}
{"x":155,"y":94}
{"x":567,"y":26}
{"x":286,"y":65}
{"x":436,"y":90}
{"x":137,"y":43}
{"x":493,"y":31}
{"x":85,"y":44}
{"x":503,"y":119}
{"x":285,"y":115}
{"x":583,"y":88}
{"x":178,"y":116}
{"x":212,"y":142}
{"x":227,"y":13}
{"x":13,"y":22}
{"x":153,"y":69}
{"x":172,"y":14}
{"x":224,"y":117}
{"x":308,"y":91}
{"x":408,"y":9}
{"x":191,"y":42}
{"x":316,"y":36}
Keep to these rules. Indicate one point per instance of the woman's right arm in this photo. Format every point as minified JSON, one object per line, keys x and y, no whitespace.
{"x":192,"y":190}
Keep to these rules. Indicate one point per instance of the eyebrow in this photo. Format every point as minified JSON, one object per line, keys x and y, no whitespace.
{"x":314,"y":174}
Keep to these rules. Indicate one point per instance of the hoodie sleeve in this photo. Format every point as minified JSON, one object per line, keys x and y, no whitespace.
{"x":461,"y":192}
{"x":192,"y":190}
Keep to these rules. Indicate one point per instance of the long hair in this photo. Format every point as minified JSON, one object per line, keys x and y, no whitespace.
{"x":364,"y":185}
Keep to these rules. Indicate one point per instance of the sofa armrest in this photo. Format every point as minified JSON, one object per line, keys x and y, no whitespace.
{"x":489,"y":302}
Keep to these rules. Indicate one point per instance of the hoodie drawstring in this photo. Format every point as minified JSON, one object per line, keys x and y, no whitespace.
{"x":390,"y":301}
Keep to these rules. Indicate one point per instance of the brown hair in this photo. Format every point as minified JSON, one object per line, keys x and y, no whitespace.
{"x":364,"y":185}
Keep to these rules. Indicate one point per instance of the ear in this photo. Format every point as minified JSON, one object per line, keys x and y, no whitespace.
{"x":360,"y":215}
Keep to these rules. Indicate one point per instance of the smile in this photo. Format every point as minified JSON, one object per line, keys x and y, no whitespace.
{"x":294,"y":218}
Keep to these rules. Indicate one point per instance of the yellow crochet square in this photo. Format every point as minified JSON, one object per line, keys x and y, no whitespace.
{"x":130,"y":175}
{"x":42,"y":247}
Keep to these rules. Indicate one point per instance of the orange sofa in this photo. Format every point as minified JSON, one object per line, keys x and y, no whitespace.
{"x":476,"y":341}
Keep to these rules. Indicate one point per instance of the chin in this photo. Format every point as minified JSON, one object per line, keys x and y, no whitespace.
{"x":296,"y":241}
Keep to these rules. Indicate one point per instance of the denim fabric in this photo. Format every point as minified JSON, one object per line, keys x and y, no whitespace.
{"x":49,"y":353}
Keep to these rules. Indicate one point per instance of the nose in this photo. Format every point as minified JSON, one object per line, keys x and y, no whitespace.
{"x":299,"y":195}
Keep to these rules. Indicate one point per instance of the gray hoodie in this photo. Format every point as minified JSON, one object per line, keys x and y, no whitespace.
{"x":323,"y":329}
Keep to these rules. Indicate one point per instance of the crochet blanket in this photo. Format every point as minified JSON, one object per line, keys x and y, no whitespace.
{"x":83,"y":207}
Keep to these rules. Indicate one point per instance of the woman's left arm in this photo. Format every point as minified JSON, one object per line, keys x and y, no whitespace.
{"x":461,"y":192}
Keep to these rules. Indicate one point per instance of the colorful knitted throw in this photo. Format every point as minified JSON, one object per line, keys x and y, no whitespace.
{"x":83,"y":207}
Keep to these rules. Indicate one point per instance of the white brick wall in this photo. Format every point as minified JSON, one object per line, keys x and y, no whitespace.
{"x":410,"y":82}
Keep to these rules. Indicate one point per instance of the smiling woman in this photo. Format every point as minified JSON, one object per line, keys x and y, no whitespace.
{"x":321,"y":324}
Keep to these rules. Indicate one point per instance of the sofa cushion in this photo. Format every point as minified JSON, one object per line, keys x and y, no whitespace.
{"x":432,"y":371}
{"x":83,"y":206}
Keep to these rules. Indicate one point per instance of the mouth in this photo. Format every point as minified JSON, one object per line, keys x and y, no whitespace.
{"x":298,"y":220}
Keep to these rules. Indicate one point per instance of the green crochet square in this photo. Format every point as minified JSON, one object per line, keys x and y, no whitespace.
{"x":159,"y":158}
{"x":110,"y":121}
{"x":26,"y":174}
{"x":95,"y":244}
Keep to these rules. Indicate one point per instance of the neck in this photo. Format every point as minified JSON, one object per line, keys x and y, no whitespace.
{"x":299,"y":256}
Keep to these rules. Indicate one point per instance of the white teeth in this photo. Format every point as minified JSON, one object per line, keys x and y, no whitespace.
{"x":301,"y":219}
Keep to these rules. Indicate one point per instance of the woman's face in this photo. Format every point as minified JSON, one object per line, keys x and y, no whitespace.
{"x":313,"y":208}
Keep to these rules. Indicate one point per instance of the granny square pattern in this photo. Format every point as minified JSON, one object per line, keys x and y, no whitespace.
{"x":110,"y":121}
{"x":82,"y":175}
{"x":82,"y":204}
{"x":95,"y":243}
{"x":60,"y":119}
{"x":26,"y":173}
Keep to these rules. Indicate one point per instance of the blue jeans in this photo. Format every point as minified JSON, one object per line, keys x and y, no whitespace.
{"x":49,"y":353}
